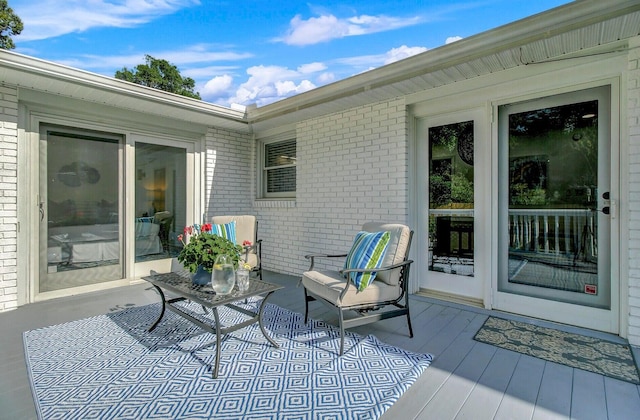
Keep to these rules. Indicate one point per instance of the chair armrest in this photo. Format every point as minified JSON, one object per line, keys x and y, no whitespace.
{"x":312,"y":257}
{"x":255,"y":247}
{"x":368,"y":270}
{"x":309,"y":256}
{"x":375,"y":270}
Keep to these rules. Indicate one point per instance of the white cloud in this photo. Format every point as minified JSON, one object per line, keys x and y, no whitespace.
{"x":218,"y":86}
{"x":451,"y":39}
{"x":267,"y":84}
{"x":402,"y":52}
{"x":206,"y":72}
{"x":312,"y":68}
{"x":288,"y":88}
{"x":362,"y":63}
{"x":51,"y":18}
{"x":327,"y":27}
{"x":326,"y":78}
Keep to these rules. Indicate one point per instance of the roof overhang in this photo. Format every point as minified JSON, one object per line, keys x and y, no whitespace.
{"x":44,"y":76}
{"x":560,"y":32}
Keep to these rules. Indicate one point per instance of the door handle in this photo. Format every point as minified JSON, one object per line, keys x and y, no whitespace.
{"x":610,"y":207}
{"x":41,"y":209}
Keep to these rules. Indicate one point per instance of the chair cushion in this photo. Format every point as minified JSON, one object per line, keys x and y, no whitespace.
{"x":146,"y":229}
{"x":396,"y":249}
{"x":368,"y":251}
{"x":329,"y":284}
{"x":252,"y":259}
{"x":227,"y":230}
{"x":245,"y":226}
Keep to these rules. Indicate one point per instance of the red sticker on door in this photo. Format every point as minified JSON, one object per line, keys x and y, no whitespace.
{"x":591,"y":289}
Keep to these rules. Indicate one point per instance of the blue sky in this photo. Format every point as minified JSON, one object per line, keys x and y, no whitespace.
{"x":254,"y":51}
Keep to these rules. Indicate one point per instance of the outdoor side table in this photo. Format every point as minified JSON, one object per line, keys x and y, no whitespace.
{"x":180,"y":285}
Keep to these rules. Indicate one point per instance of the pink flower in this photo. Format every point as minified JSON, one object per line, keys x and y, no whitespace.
{"x":246,"y":243}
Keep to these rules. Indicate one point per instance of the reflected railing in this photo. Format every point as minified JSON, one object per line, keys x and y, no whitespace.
{"x":566,"y":233}
{"x":569,"y":232}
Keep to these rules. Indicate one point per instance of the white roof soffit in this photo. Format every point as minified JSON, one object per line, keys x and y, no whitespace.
{"x":564,"y":30}
{"x":39,"y":75}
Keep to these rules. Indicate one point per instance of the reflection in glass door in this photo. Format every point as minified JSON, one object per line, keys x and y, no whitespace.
{"x":451,"y":198}
{"x":80,"y":202}
{"x":448,"y":231}
{"x":556,"y":181}
{"x":161,"y":202}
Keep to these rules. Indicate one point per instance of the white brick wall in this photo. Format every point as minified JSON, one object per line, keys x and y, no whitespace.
{"x":352,"y":168}
{"x":229,"y":170}
{"x":8,"y":197}
{"x":633,"y":110}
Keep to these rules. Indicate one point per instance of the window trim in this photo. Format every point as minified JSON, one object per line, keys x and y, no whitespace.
{"x":262,"y":170}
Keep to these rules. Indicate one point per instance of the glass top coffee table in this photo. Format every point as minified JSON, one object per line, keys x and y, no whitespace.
{"x":180,"y":284}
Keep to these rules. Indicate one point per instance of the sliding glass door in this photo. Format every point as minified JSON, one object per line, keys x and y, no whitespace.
{"x":160,"y":200}
{"x":97,"y":225}
{"x":80,"y":203}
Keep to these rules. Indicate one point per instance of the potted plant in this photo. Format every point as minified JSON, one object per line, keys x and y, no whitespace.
{"x":201,"y":247}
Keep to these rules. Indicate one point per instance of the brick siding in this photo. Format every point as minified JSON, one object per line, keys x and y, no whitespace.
{"x":633,"y":96}
{"x":8,"y":197}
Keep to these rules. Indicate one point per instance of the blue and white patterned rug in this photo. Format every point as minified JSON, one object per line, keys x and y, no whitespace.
{"x":109,"y":367}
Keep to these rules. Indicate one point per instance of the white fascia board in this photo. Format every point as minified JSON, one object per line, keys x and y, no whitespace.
{"x":37,"y":74}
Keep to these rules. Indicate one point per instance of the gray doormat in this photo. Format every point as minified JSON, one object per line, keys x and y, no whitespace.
{"x":573,"y":350}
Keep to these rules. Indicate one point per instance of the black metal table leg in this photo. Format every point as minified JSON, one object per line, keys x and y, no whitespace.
{"x":264,"y":332}
{"x":162,"y":297}
{"x":218,"y":333}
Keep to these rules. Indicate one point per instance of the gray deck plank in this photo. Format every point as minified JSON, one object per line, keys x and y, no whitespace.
{"x":462,"y":376}
{"x":457,"y":344}
{"x":448,"y":400}
{"x":623,"y":399}
{"x":588,"y":399}
{"x":486,"y":396}
{"x":522,"y":392}
{"x":552,"y":402}
{"x":448,"y":358}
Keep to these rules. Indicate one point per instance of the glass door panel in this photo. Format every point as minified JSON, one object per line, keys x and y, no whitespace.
{"x":556,"y":181}
{"x":80,"y":202}
{"x":448,"y":232}
{"x":160,"y":200}
{"x":451,"y":201}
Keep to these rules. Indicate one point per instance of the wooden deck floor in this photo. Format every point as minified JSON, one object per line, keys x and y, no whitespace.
{"x":467,"y":379}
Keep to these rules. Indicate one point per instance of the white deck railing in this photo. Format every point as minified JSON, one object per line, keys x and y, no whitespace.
{"x":555,"y":231}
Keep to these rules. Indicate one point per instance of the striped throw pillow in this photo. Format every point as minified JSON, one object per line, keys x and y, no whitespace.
{"x":367,"y":251}
{"x":228,"y":231}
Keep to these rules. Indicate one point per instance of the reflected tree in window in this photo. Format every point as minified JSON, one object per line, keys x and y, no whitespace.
{"x":451,"y":198}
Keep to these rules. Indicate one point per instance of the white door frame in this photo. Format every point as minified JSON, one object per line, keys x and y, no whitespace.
{"x":34,"y":118}
{"x":573,"y":314}
{"x":473,"y":289}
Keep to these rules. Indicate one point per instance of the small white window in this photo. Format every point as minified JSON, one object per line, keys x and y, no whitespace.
{"x":278,"y":168}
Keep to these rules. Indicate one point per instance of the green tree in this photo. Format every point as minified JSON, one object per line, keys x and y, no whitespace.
{"x":159,"y":74}
{"x":10,"y":24}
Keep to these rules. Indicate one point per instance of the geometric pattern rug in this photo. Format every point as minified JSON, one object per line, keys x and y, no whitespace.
{"x":573,"y":350}
{"x":110,"y":366}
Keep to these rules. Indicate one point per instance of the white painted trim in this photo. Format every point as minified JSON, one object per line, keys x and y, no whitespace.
{"x":37,"y":114}
{"x":469,"y":287}
{"x":565,"y":312}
